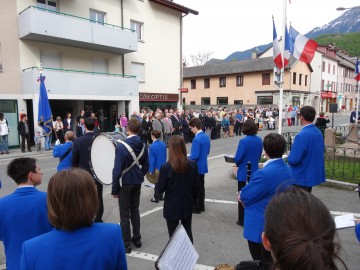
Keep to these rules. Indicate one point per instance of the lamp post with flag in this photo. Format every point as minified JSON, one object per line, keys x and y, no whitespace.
{"x":357,"y":78}
{"x":45,"y":118}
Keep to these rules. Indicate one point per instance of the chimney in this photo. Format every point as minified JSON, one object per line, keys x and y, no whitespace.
{"x":254,"y":54}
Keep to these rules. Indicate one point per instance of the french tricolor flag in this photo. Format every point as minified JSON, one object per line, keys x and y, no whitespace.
{"x":276,"y":49}
{"x":287,"y":47}
{"x":357,"y":70}
{"x":301,"y":47}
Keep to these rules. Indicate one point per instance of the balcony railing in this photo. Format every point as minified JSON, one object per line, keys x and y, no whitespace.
{"x":80,"y":84}
{"x":44,"y":25}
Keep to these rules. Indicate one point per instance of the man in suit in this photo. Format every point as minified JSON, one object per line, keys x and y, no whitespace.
{"x":80,"y":128}
{"x":81,"y":158}
{"x":127,"y":179}
{"x":176,"y":123}
{"x":24,"y":212}
{"x":23,"y":128}
{"x":200,"y":149}
{"x":264,"y":183}
{"x":67,"y":122}
{"x":306,"y":157}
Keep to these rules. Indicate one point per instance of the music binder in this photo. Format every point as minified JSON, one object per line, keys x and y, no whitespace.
{"x":179,"y":253}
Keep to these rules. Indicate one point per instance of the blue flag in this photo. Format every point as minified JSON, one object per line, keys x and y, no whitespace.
{"x":45,"y":115}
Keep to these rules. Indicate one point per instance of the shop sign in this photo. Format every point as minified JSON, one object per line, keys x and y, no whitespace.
{"x":158,"y":97}
{"x":184,"y":90}
{"x":328,"y":95}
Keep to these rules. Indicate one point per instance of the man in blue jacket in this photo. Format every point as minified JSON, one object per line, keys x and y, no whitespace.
{"x":306,"y":157}
{"x":130,"y":166}
{"x":23,"y":214}
{"x":200,"y":149}
{"x":255,"y":196}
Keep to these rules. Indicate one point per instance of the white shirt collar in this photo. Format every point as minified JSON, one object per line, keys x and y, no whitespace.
{"x":269,"y":161}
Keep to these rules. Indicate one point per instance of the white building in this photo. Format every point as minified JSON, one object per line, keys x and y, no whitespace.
{"x":106,"y":57}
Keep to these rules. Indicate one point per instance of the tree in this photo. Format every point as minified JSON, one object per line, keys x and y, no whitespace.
{"x":201,"y":58}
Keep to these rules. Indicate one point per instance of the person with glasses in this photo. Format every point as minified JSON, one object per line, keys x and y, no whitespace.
{"x":24,"y":212}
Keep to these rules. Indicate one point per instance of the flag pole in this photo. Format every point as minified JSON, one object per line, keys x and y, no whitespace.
{"x":357,"y":102}
{"x":282,"y":76}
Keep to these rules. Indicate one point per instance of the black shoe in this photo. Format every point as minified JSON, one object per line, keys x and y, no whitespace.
{"x":23,"y":151}
{"x":128,"y":250}
{"x":161,"y":198}
{"x":202,"y":209}
{"x":29,"y":150}
{"x":154,"y":200}
{"x":137,"y":243}
{"x":196,"y":211}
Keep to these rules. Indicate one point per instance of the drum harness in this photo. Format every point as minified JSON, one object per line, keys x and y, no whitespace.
{"x":136,"y":158}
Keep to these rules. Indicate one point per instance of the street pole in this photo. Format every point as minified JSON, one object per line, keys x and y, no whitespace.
{"x":282,"y":75}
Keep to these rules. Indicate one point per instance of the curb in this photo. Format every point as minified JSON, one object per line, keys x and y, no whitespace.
{"x":339,"y":185}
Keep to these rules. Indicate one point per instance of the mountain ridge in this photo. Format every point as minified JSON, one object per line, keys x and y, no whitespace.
{"x":348,"y":22}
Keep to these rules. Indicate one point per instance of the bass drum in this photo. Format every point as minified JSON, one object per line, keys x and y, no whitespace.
{"x":102,"y":155}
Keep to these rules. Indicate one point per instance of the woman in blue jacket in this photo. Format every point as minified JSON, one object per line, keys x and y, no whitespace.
{"x":76,"y":242}
{"x":249,"y":149}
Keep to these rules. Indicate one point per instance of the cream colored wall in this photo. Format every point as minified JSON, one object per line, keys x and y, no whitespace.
{"x":160,"y":51}
{"x":82,"y":8}
{"x":299,"y":68}
{"x":10,"y":76}
{"x":71,"y":58}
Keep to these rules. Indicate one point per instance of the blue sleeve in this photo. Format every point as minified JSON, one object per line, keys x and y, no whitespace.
{"x":152,"y":159}
{"x":357,"y":231}
{"x":122,"y":263}
{"x":23,"y":261}
{"x":297,"y":151}
{"x":240,"y":153}
{"x":195,"y":150}
{"x":57,"y":151}
{"x":255,"y":190}
{"x":118,"y":167}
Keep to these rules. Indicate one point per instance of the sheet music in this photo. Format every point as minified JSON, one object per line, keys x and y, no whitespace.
{"x":179,"y":253}
{"x":344,"y":221}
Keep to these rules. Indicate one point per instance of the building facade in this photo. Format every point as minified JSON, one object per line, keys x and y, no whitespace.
{"x":245,"y":83}
{"x":97,"y":56}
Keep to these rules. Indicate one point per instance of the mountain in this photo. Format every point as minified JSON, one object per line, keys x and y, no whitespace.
{"x":348,"y":22}
{"x":349,"y":42}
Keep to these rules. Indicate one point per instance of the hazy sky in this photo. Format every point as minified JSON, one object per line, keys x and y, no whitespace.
{"x":226,"y":26}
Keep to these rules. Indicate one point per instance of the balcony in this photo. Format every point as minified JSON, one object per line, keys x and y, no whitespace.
{"x":76,"y":84}
{"x":48,"y":26}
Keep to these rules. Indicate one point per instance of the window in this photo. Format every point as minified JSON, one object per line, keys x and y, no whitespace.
{"x":138,"y":69}
{"x":240,"y":80}
{"x":300,"y":79}
{"x":263,"y":100}
{"x":323,"y":66}
{"x":138,"y":27}
{"x":238,"y":102}
{"x":207,"y":83}
{"x":306,"y":78}
{"x":222,"y":82}
{"x":222,"y":101}
{"x":322,"y":85}
{"x":193,"y":84}
{"x":205,"y":101}
{"x":97,"y":16}
{"x":334,"y":69}
{"x":100,"y":65}
{"x":294,"y":78}
{"x":192,"y":102}
{"x":266,"y":79}
{"x":329,"y":66}
{"x":47,"y":4}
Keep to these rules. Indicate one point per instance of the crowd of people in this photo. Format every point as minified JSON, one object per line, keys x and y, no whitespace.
{"x":283,"y":222}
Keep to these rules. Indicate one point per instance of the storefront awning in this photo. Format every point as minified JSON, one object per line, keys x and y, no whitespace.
{"x":328,"y":95}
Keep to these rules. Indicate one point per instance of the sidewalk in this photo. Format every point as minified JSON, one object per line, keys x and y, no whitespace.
{"x":16,"y":152}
